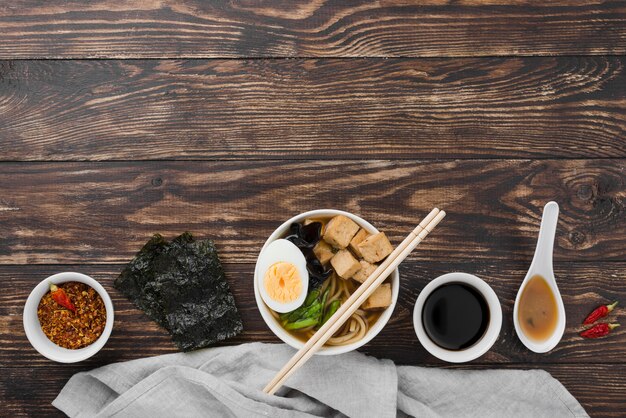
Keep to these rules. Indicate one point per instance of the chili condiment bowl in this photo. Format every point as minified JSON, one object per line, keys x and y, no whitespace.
{"x":40,"y":341}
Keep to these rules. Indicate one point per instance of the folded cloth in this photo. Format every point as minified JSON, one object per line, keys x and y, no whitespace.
{"x":228,"y":382}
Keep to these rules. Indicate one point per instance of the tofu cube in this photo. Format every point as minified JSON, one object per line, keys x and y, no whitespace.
{"x":381,"y":298}
{"x":323,"y":251}
{"x":375,"y":247}
{"x":339,"y":231}
{"x":366,"y":271}
{"x":356,"y":240}
{"x":345,"y":264}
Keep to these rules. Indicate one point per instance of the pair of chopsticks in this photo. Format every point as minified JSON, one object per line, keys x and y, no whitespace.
{"x":364,"y":291}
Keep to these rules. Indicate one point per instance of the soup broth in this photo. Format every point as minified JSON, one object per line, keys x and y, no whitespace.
{"x":537,"y":312}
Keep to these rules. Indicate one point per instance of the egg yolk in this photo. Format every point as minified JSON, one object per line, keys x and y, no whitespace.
{"x":282,"y":282}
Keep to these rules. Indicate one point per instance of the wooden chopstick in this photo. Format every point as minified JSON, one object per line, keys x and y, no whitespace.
{"x":356,"y":299}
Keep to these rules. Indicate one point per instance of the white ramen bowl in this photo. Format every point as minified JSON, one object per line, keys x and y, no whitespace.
{"x":38,"y":339}
{"x":481,"y":346}
{"x":284,"y":335}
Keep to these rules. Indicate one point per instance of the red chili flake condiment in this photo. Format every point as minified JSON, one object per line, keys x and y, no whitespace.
{"x":599,"y":312}
{"x":599,"y":330}
{"x":69,"y":329}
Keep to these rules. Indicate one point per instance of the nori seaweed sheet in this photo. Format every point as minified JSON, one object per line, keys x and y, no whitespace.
{"x":181,"y":286}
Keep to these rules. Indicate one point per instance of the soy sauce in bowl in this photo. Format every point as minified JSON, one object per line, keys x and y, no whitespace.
{"x":455,"y":316}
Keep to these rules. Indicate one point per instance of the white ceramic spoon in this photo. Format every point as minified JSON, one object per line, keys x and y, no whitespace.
{"x":542,"y":265}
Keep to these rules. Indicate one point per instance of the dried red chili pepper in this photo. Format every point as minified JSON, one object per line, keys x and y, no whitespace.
{"x":599,"y":312}
{"x":599,"y":330}
{"x":61,"y":297}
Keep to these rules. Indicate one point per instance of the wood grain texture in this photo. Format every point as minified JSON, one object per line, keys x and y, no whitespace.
{"x":104,"y":212}
{"x":388,"y":28}
{"x":583,"y":286}
{"x":326,"y":109}
{"x":485,"y":108}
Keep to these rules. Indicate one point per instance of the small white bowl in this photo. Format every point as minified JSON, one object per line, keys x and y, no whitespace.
{"x":482,"y":345}
{"x":38,"y":339}
{"x":280,"y":332}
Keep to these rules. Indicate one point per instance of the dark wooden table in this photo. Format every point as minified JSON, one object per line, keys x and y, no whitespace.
{"x":120,"y":120}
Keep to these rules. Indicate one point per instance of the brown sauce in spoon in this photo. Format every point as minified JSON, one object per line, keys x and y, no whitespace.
{"x":537,"y":313}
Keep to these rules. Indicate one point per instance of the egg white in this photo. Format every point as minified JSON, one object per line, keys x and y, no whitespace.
{"x":285,"y":251}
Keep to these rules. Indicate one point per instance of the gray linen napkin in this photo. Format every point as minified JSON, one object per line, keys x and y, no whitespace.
{"x":228,"y":382}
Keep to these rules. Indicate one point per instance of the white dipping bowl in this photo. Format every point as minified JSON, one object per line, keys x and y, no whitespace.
{"x":275,"y":326}
{"x":38,"y":339}
{"x":491,"y":333}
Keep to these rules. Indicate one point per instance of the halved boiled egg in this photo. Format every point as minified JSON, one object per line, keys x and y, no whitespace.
{"x":283,"y":277}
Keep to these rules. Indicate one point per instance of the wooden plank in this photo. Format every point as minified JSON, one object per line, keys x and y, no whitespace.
{"x":104,"y":212}
{"x":389,"y":28}
{"x":323,"y":109}
{"x":583,"y":286}
{"x":598,"y":387}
